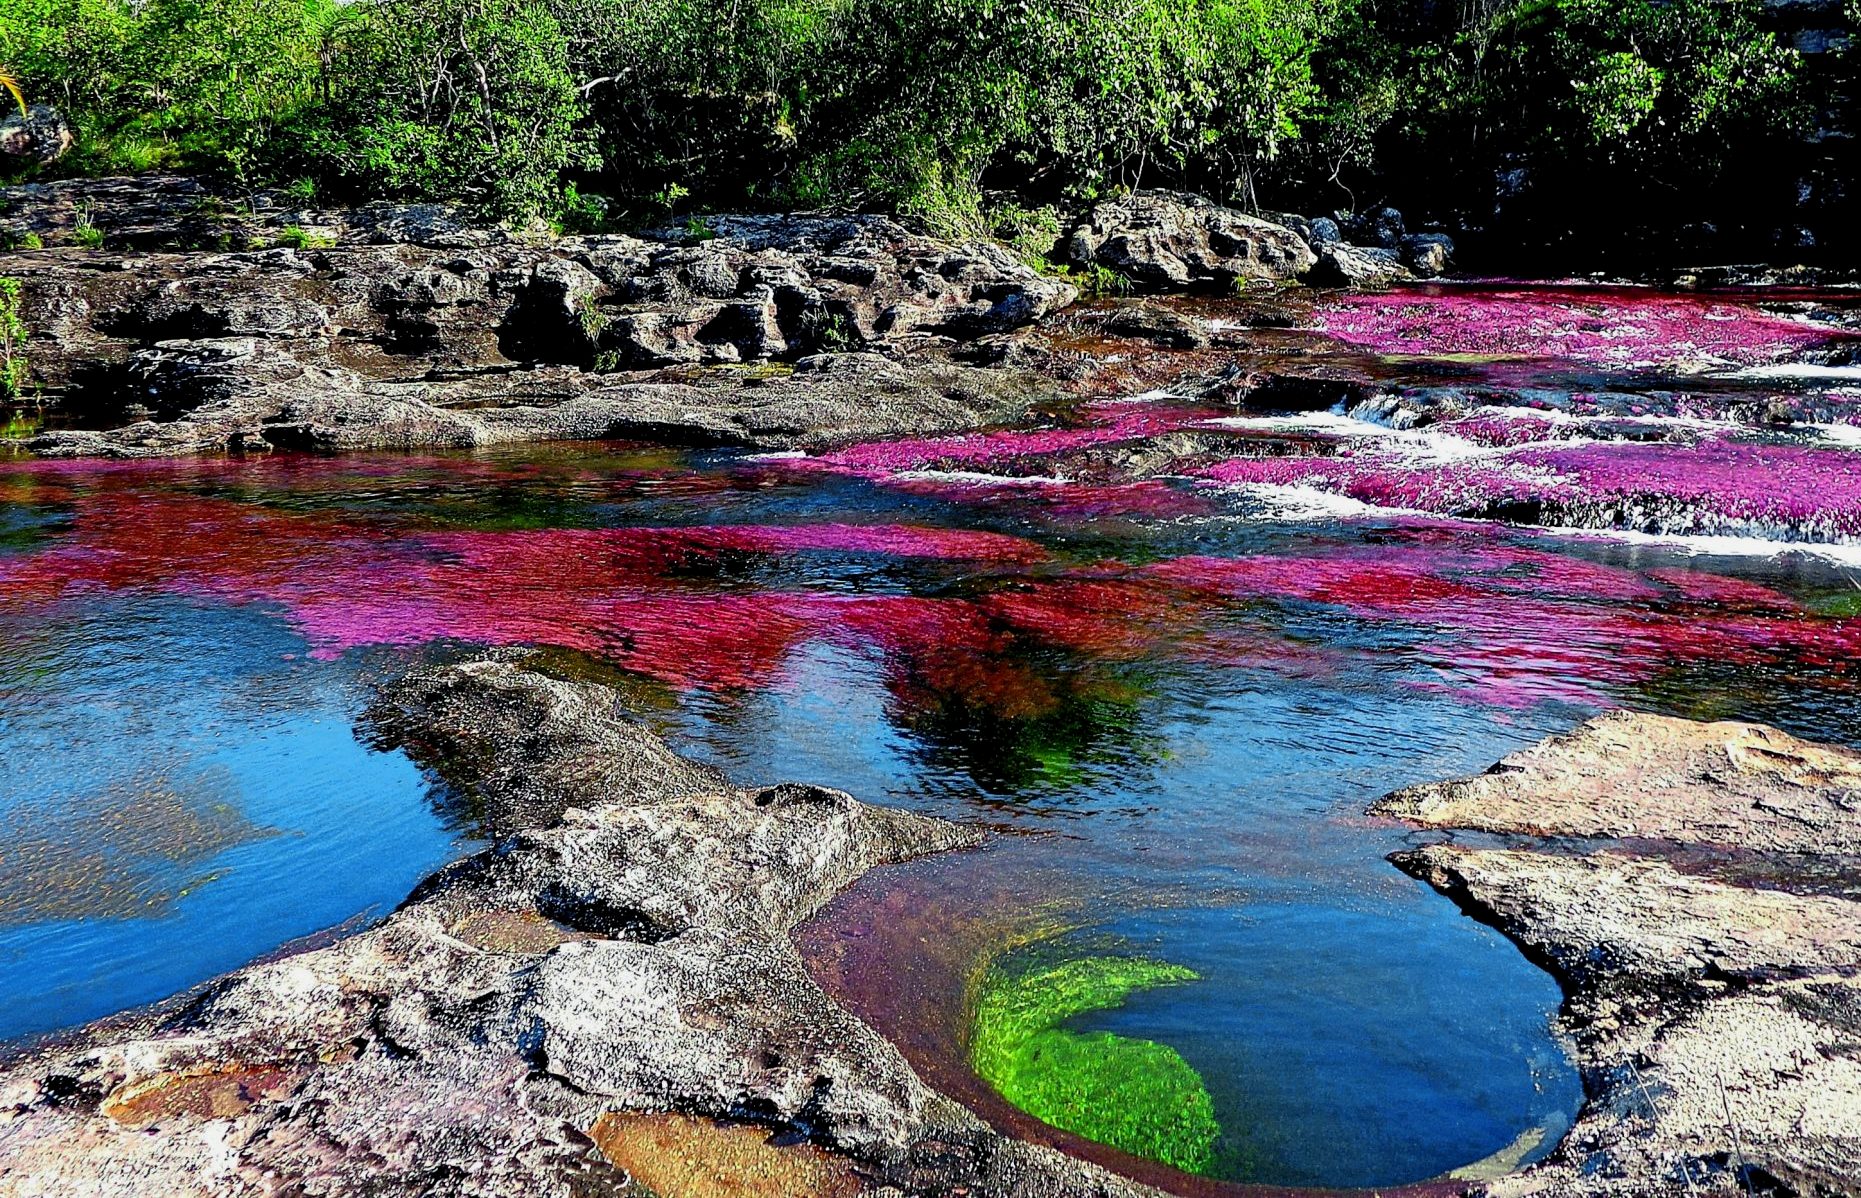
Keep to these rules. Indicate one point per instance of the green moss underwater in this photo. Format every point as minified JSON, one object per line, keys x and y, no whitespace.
{"x":1135,"y":1095}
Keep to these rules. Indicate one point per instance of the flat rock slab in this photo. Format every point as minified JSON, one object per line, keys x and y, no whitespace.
{"x":1654,"y":777}
{"x":1717,"y":1024}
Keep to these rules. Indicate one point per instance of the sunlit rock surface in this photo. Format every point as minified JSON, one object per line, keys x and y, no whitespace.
{"x":1171,"y":241}
{"x":399,"y":327}
{"x":1707,"y":932}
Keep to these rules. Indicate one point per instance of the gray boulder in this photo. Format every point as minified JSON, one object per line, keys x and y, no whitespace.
{"x":1382,"y":228}
{"x":1343,"y":265}
{"x":1427,"y":254}
{"x":37,"y":135}
{"x":1172,"y":241}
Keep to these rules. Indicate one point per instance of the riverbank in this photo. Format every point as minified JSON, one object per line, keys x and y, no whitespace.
{"x":167,"y":318}
{"x":1694,"y":888}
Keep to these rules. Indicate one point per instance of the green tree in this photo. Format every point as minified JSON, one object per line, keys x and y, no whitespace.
{"x":468,"y":99}
{"x":14,"y":370}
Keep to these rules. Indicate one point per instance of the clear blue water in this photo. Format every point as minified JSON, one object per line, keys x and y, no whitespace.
{"x":1178,"y":760}
{"x":1352,"y":1027}
{"x":183,"y":792}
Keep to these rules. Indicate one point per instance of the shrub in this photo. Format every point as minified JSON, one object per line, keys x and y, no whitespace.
{"x":594,"y":114}
{"x":470,"y":99}
{"x":14,"y":369}
{"x":84,"y":232}
{"x":298,"y":238}
{"x":197,"y":84}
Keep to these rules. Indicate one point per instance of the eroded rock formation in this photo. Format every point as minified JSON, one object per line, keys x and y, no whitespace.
{"x":403,"y":327}
{"x":1162,"y":240}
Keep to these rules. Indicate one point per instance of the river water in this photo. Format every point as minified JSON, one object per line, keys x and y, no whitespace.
{"x":1171,"y":690}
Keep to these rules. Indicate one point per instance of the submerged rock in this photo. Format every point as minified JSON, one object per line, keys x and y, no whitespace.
{"x":1160,"y":326}
{"x":516,"y":1026}
{"x":1709,"y":960}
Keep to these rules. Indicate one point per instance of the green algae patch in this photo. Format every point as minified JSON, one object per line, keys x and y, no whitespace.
{"x":1135,"y":1095}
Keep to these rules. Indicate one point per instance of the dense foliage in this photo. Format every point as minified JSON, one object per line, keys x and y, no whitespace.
{"x":1568,"y":119}
{"x":614,"y":111}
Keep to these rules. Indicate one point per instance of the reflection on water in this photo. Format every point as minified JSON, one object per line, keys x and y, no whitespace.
{"x":1171,"y":698}
{"x":182,"y":791}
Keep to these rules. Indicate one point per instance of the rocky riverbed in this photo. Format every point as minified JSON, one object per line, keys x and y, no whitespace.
{"x":607,"y":1000}
{"x":526,"y":1019}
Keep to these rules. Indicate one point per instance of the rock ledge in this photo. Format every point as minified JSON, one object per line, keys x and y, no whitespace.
{"x":1707,"y":931}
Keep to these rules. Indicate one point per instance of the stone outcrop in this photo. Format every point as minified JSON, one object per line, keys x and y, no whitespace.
{"x":1343,"y":265}
{"x":525,"y":1019}
{"x":245,"y":396}
{"x":1646,"y":777}
{"x":36,"y":136}
{"x":179,"y":212}
{"x":1707,"y":930}
{"x":404,"y":327}
{"x":1172,"y":241}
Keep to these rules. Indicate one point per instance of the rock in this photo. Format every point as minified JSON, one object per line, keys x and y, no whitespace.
{"x":596,"y":991}
{"x":1316,"y":231}
{"x":1339,"y":264}
{"x":1293,"y":388}
{"x":1427,"y":254}
{"x":1628,"y":774}
{"x":509,"y":727}
{"x":1172,"y":241}
{"x":1380,"y":228}
{"x":1160,"y":326}
{"x":1707,"y":934}
{"x":463,"y":336}
{"x":215,"y":396}
{"x":36,"y":136}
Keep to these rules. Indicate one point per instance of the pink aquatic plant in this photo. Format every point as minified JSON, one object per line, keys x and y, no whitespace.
{"x":1718,"y":486}
{"x":1813,"y":493}
{"x":1470,"y":609}
{"x":1394,"y":481}
{"x":1099,"y":424}
{"x":1601,"y":325}
{"x":1513,"y":625}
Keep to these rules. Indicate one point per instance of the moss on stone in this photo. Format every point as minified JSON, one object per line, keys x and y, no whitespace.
{"x":1135,"y":1095}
